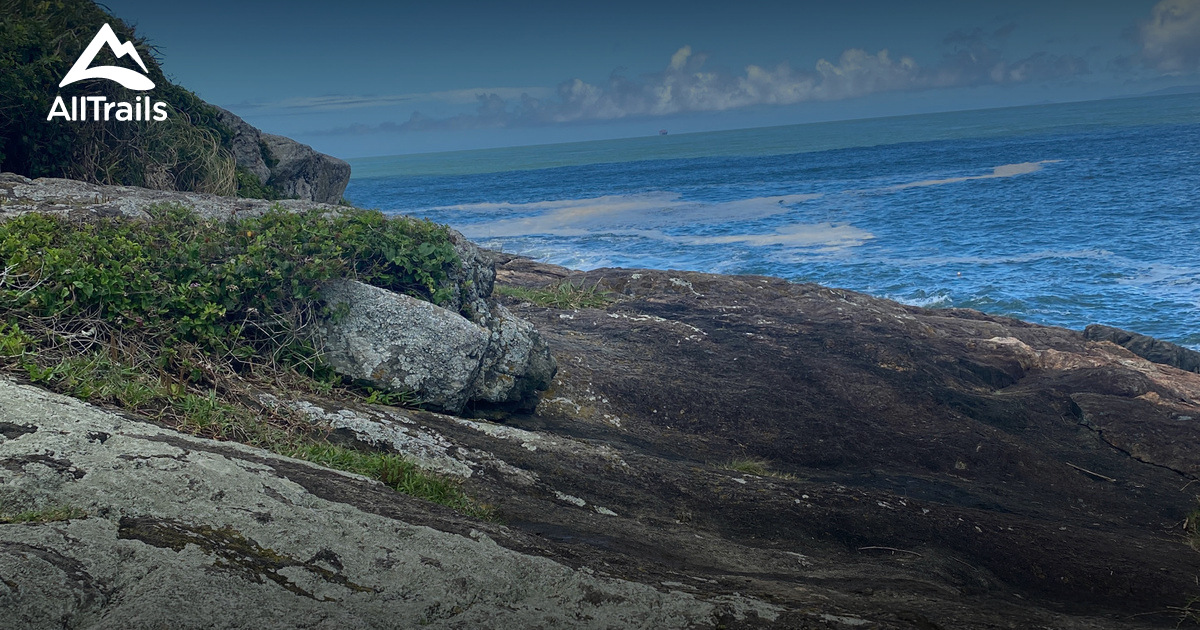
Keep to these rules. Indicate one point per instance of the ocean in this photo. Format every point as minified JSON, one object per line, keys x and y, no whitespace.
{"x":1063,"y":214}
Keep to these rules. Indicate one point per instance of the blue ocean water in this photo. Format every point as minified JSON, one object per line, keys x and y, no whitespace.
{"x":1064,"y":214}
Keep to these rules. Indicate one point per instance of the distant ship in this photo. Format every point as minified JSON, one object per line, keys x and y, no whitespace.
{"x":662,"y":132}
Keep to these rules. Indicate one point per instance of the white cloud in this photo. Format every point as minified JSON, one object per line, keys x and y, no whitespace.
{"x":684,"y":85}
{"x":1171,"y":38}
{"x":357,"y":101}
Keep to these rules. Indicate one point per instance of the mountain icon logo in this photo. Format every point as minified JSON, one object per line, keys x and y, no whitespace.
{"x":124,"y":76}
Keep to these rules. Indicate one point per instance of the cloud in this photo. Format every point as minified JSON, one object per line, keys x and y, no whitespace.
{"x":685,"y":85}
{"x":1170,"y":39}
{"x":352,"y":101}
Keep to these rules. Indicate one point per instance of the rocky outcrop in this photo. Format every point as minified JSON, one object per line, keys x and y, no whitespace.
{"x":19,"y":194}
{"x":474,"y":350}
{"x":401,"y":344}
{"x":927,"y":468}
{"x":517,"y":364}
{"x":167,"y":530}
{"x":248,"y":151}
{"x":295,"y":170}
{"x":721,"y":441}
{"x":1147,"y":347}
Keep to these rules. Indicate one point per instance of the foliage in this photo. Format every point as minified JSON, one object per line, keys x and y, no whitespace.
{"x":249,"y":187}
{"x":39,"y":41}
{"x":566,"y":295}
{"x":239,"y":288}
{"x":46,"y":515}
{"x":756,"y":467}
{"x":186,"y":319}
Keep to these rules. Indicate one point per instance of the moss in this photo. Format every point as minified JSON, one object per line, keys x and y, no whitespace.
{"x":231,"y":551}
{"x":45,"y":515}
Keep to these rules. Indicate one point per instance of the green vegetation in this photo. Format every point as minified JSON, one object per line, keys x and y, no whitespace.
{"x":756,"y":467}
{"x":566,"y":295}
{"x":248,"y":186}
{"x":39,"y":41}
{"x":188,"y":320}
{"x":46,"y":515}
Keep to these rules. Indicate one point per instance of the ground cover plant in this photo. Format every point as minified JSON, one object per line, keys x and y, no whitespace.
{"x":189,"y":320}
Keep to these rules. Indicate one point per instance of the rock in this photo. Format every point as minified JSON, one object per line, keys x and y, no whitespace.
{"x":398,"y":343}
{"x":19,"y":195}
{"x":247,"y":148}
{"x":302,"y":173}
{"x":1013,"y":458}
{"x":1147,"y":347}
{"x":402,"y":344}
{"x":181,"y":532}
{"x":517,"y":364}
{"x":294,"y":169}
{"x":472,"y":282}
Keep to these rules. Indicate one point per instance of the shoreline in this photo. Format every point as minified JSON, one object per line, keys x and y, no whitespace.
{"x":759,"y":452}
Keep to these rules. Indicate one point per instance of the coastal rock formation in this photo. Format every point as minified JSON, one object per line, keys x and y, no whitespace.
{"x":489,"y":356}
{"x":293,"y":169}
{"x":166,"y":530}
{"x":919,"y":462}
{"x":247,"y":150}
{"x":1147,"y":347}
{"x":517,"y":365}
{"x":401,"y":344}
{"x":750,"y":451}
{"x":19,"y":194}
{"x":300,"y":172}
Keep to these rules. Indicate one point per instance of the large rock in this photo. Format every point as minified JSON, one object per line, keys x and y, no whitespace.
{"x":295,"y":170}
{"x":247,"y":148}
{"x":1147,"y":347}
{"x":172,"y":531}
{"x":302,"y":173}
{"x":19,"y":195}
{"x":399,"y":343}
{"x":517,"y":364}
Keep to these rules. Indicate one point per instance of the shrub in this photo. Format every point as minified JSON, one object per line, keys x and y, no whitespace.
{"x":239,"y":288}
{"x":187,"y":319}
{"x":39,"y":41}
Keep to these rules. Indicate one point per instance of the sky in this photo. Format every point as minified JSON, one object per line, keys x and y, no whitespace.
{"x":356,"y":79}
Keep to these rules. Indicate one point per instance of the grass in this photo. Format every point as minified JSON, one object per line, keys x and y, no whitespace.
{"x":565,"y":295}
{"x":756,"y":467}
{"x":46,"y":515}
{"x":98,"y":378}
{"x":186,"y":321}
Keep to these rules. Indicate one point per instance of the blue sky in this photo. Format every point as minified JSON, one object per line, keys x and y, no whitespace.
{"x":358,"y":79}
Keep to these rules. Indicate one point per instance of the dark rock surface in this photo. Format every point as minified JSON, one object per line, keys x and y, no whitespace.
{"x":1147,"y":347}
{"x":913,"y":469}
{"x":935,"y":468}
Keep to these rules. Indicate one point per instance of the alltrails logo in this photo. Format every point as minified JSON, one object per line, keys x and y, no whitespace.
{"x":101,"y":109}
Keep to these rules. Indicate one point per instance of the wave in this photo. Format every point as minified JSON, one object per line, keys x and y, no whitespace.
{"x":653,"y":216}
{"x":930,"y":301}
{"x":1004,"y":170}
